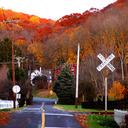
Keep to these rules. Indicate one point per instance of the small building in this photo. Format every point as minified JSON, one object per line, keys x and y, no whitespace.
{"x":40,"y":72}
{"x":58,"y":69}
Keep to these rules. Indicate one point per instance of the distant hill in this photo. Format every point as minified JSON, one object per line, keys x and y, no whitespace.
{"x":31,"y":27}
{"x":35,"y":29}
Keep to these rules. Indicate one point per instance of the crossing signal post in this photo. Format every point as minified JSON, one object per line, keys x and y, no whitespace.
{"x":105,"y":63}
{"x":13,"y":66}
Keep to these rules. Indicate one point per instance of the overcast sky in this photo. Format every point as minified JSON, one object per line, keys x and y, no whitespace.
{"x":53,"y":9}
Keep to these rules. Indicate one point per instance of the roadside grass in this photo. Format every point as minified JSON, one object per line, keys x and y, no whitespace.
{"x":91,"y":120}
{"x":13,"y":109}
{"x":100,"y":121}
{"x":44,"y":94}
{"x":79,"y":108}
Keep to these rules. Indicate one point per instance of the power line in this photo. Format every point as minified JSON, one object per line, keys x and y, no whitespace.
{"x":7,"y":62}
{"x":5,"y":34}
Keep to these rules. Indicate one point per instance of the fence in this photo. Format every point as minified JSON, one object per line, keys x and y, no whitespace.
{"x":119,"y":104}
{"x":6,"y":104}
{"x":120,"y":118}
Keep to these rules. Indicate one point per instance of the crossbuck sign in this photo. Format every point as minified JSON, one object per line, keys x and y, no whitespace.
{"x":105,"y":62}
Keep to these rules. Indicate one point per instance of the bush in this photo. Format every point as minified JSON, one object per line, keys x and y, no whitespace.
{"x":40,"y":82}
{"x":116,"y":92}
{"x":26,"y":93}
{"x":6,"y":92}
{"x":88,"y":90}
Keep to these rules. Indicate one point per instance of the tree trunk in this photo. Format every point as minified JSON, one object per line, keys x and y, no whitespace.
{"x":122,"y":69}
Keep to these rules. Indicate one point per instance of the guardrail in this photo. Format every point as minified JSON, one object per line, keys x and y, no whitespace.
{"x":120,"y":117}
{"x":6,"y":104}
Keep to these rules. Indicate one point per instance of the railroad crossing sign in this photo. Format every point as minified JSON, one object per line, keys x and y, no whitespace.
{"x":105,"y":62}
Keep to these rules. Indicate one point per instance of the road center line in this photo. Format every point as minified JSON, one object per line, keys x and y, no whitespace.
{"x":43,"y":116}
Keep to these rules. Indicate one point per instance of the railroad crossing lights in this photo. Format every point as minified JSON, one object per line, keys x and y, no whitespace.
{"x":105,"y":62}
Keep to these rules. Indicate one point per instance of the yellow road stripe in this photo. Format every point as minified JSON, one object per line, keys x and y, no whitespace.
{"x":43,"y":116}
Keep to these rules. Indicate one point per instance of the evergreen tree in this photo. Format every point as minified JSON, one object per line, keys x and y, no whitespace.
{"x":20,"y":74}
{"x":64,"y":86}
{"x":6,"y":50}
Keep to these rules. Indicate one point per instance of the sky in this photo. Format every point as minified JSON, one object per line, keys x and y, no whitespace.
{"x":53,"y":9}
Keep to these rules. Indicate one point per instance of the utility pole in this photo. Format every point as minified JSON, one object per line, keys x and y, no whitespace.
{"x":18,"y":59}
{"x":77,"y":75}
{"x":13,"y":66}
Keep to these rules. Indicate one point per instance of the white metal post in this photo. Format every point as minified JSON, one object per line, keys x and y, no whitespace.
{"x":106,"y":88}
{"x":77,"y":73}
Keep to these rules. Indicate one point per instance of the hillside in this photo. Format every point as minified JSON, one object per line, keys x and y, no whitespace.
{"x":48,"y":40}
{"x":32,"y":28}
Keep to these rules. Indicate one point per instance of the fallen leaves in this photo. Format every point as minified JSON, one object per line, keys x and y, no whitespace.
{"x":3,"y":117}
{"x":81,"y":118}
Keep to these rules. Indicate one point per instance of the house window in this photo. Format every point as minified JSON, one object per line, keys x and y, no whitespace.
{"x":71,"y":65}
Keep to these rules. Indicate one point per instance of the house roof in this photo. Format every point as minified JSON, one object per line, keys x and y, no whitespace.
{"x":61,"y":65}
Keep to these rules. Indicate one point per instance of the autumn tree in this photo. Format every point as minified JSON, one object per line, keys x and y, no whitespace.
{"x":35,"y":19}
{"x":36,"y":49}
{"x":116,"y":93}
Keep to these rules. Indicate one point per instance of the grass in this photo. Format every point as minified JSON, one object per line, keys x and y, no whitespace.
{"x":91,"y":121}
{"x":79,"y":108}
{"x":44,"y":94}
{"x":100,"y":121}
{"x":12,"y":109}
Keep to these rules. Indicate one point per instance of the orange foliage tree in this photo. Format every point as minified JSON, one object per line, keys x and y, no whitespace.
{"x":36,"y":49}
{"x":35,"y":19}
{"x":116,"y":93}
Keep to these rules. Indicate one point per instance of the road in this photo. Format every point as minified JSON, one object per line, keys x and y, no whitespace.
{"x":42,"y":115}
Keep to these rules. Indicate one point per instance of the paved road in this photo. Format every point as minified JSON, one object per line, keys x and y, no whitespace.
{"x":41,"y":115}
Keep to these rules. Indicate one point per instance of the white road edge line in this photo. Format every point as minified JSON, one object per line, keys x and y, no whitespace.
{"x":57,"y":127}
{"x":57,"y":114}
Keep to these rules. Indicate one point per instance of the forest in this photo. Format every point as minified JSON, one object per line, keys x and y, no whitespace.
{"x":49,"y":43}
